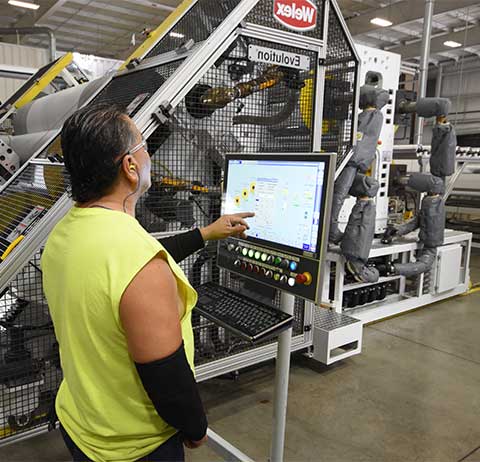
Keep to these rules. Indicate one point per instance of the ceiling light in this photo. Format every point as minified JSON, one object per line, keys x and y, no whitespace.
{"x":452,"y":44}
{"x":31,"y":6}
{"x":176,"y":35}
{"x":381,"y":22}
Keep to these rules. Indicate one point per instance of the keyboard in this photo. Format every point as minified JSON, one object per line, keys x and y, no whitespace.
{"x":241,"y":315}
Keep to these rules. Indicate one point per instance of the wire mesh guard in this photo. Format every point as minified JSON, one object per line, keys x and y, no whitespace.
{"x":238,"y":106}
{"x":341,"y":76}
{"x":198,"y":23}
{"x":29,"y":367}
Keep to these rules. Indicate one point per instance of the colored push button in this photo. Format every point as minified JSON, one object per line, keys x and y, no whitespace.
{"x":244,"y":265}
{"x":291,"y":282}
{"x":284,"y":264}
{"x":276,"y":277}
{"x":277,"y":261}
{"x":264,"y":257}
{"x":244,"y":252}
{"x":284,"y":279}
{"x":256,"y":269}
{"x":305,"y":278}
{"x":258,"y":255}
{"x":270,"y":259}
{"x":251,"y":253}
{"x":249,"y":267}
{"x":293,"y":265}
{"x":269,"y":274}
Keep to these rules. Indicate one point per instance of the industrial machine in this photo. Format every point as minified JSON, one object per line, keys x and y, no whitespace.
{"x":219,"y":79}
{"x":373,"y":275}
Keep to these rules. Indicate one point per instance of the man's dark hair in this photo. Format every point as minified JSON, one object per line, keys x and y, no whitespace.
{"x":92,"y":139}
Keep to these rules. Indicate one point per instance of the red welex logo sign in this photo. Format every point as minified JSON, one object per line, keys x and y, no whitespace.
{"x":299,"y":15}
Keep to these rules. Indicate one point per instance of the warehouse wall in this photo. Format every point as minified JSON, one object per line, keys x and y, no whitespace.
{"x":459,"y":83}
{"x":19,"y":55}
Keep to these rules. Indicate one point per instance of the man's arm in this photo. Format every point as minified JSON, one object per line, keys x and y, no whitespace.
{"x":149,"y":314}
{"x":183,"y":245}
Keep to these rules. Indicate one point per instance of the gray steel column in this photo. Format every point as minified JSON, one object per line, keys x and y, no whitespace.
{"x":438,"y":85}
{"x":424,"y":60}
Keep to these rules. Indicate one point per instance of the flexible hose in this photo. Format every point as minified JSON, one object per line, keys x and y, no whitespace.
{"x":276,"y":119}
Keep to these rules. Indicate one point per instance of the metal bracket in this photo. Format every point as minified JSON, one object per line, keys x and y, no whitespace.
{"x":133,"y":63}
{"x":163,"y":113}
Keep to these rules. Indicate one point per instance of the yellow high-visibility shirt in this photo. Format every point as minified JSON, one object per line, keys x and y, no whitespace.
{"x":90,"y":258}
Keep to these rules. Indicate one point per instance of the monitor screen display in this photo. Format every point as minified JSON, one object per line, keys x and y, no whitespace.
{"x":286,"y":196}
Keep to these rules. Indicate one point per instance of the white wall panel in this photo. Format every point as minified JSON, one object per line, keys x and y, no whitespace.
{"x":19,"y":55}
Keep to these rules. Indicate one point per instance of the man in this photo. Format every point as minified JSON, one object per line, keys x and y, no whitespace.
{"x":120,"y":304}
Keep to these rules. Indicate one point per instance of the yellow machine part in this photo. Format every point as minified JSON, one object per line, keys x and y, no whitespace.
{"x":44,"y":81}
{"x":306,"y":106}
{"x":153,"y":36}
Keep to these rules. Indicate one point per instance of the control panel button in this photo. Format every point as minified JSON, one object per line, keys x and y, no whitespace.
{"x":270,"y":259}
{"x":264,"y":257}
{"x":238,"y":249}
{"x":263,"y":272}
{"x":256,"y":269}
{"x":249,"y":267}
{"x":304,"y":278}
{"x":237,"y":263}
{"x":293,"y":265}
{"x":291,"y":282}
{"x":231,"y":247}
{"x":277,"y":261}
{"x":284,"y":264}
{"x":258,"y":255}
{"x":251,"y":253}
{"x":276,"y":277}
{"x":284,"y":279}
{"x":243,"y":265}
{"x":244,"y":251}
{"x":269,"y":274}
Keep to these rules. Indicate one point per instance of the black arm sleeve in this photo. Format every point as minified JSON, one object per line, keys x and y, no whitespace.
{"x":183,"y":245}
{"x":171,"y":386}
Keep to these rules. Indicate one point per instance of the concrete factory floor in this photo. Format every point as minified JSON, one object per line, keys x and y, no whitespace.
{"x":412,"y":395}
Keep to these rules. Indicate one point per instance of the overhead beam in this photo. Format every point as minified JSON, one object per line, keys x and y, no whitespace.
{"x":413,"y":50}
{"x":403,"y":12}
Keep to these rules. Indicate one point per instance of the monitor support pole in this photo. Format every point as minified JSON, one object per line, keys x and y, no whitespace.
{"x":282,"y":375}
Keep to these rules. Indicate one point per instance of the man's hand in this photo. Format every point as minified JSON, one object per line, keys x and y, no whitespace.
{"x":226,"y":226}
{"x":195,"y":444}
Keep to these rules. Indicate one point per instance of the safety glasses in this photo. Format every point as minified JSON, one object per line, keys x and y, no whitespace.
{"x":133,"y":150}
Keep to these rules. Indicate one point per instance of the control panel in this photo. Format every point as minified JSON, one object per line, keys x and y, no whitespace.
{"x":298,"y":275}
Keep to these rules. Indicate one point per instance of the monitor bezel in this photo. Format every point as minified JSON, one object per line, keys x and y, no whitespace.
{"x":324,"y":212}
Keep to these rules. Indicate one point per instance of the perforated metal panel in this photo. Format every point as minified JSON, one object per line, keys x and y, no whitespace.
{"x":329,"y":320}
